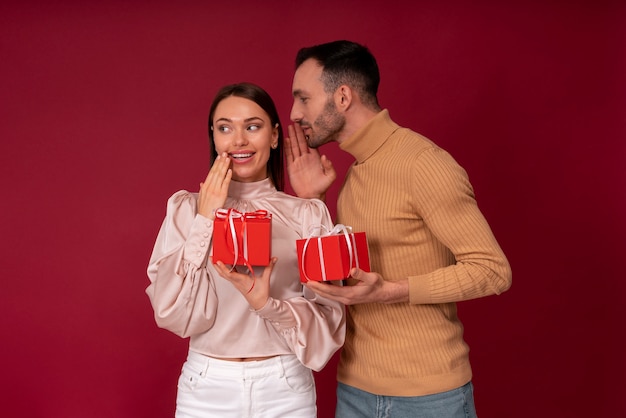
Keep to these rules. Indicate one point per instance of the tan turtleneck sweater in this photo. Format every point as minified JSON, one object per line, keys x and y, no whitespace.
{"x":418,"y":209}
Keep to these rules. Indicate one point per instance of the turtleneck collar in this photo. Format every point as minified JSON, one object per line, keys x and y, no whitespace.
{"x":364,"y":142}
{"x":250,"y":191}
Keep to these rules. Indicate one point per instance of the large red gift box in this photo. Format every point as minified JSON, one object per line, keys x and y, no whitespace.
{"x":242,"y":238}
{"x":330,"y":257}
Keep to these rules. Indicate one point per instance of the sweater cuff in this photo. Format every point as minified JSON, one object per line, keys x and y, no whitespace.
{"x":419,"y":290}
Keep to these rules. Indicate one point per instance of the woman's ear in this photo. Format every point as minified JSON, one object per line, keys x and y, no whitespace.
{"x":274,"y":142}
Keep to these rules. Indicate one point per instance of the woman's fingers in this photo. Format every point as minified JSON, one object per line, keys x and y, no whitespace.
{"x":214,"y":190}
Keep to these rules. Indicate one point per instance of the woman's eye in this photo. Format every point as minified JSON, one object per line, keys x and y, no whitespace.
{"x":223,"y":128}
{"x":254,"y":127}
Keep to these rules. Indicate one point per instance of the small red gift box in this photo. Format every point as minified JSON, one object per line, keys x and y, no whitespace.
{"x":330,"y":257}
{"x":243,"y":239}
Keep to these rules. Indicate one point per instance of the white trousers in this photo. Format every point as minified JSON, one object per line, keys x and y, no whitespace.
{"x":277,"y":387}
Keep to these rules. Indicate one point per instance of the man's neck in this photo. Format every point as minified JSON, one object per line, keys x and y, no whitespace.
{"x":355,"y":119}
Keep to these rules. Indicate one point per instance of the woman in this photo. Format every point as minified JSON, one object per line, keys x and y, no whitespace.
{"x":254,"y":336}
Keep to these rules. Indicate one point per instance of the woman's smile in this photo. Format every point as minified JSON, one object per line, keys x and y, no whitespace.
{"x":241,"y":157}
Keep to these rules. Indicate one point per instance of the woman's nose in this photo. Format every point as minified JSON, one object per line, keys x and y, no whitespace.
{"x":240,"y":137}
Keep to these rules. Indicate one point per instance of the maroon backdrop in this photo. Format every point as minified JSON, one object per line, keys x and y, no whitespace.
{"x":103,"y":116}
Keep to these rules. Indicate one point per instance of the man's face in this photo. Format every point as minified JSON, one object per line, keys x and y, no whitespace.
{"x":314,"y":109}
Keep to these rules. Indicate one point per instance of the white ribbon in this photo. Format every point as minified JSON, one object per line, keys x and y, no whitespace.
{"x":338,"y":229}
{"x":229,"y":215}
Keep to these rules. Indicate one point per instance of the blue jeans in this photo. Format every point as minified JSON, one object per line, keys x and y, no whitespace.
{"x":355,"y":403}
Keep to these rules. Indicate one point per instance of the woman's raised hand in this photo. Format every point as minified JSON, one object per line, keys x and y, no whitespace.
{"x":214,"y":189}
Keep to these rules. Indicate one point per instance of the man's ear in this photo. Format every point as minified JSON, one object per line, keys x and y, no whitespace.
{"x":343,"y":97}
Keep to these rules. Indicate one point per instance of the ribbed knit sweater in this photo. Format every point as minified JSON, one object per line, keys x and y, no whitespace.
{"x":418,"y":209}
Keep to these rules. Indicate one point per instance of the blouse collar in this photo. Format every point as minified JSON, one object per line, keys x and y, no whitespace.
{"x":251,"y":191}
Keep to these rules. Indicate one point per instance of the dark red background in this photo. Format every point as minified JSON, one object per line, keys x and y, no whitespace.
{"x":103,"y":116}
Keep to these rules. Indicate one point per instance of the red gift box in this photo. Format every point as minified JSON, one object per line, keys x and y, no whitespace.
{"x":330,"y":257}
{"x":243,"y":239}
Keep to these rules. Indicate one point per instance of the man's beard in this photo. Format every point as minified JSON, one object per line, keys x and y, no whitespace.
{"x":327,"y":126}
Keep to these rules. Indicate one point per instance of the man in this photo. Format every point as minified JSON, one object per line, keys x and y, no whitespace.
{"x":430,"y":246}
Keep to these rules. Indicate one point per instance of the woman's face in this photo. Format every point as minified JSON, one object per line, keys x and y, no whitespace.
{"x":242,"y":129}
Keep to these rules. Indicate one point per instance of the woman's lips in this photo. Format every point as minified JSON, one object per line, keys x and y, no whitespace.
{"x":240,"y":157}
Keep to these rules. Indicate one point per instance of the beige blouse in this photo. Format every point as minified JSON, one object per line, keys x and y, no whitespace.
{"x":192,"y":300}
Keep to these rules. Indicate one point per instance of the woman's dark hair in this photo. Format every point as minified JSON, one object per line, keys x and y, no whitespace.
{"x":345,"y":62}
{"x":259,"y":96}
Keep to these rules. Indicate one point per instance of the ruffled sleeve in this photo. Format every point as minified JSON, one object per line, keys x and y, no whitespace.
{"x":182,"y":296}
{"x":313,"y":327}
